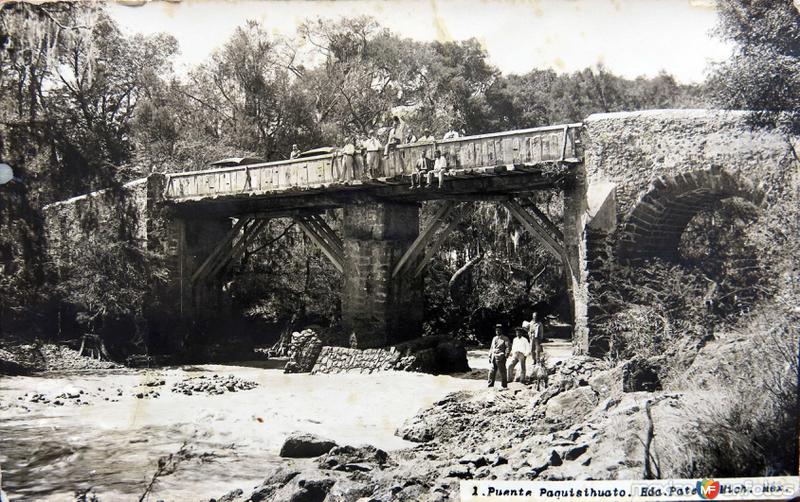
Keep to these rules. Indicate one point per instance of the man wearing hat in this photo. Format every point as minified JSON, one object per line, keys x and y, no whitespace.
{"x":536,"y":335}
{"x":520,"y":348}
{"x":498,"y":353}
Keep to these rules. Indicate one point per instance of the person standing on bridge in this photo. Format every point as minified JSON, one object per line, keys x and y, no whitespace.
{"x":498,"y":353}
{"x":520,"y":348}
{"x":451,"y":134}
{"x":396,"y":135}
{"x":373,"y":147}
{"x":348,"y":160}
{"x":427,"y":137}
{"x":295,"y":152}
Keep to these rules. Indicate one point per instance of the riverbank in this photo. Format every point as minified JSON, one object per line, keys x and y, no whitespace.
{"x":110,"y":439}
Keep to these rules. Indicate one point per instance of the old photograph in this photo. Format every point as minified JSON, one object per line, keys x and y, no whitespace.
{"x":384,"y":250}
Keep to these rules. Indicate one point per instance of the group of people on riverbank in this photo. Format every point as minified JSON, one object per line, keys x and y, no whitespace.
{"x":362,"y":157}
{"x":504,"y":355}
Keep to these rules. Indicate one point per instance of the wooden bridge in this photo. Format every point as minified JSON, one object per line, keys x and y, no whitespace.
{"x":379,"y":247}
{"x":499,"y":163}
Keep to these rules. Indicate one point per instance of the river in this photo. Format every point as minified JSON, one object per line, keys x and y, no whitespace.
{"x":50,"y":452}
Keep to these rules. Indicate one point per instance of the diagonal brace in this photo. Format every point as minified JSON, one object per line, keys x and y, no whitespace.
{"x":322,"y":235}
{"x":424,"y":238}
{"x":249,"y":234}
{"x":224,"y":245}
{"x":536,"y":229}
{"x":437,"y":243}
{"x":545,"y":221}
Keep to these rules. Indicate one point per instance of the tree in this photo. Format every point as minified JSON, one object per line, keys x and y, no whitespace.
{"x":763,"y":74}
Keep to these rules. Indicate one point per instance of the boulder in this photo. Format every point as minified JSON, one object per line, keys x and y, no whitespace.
{"x":312,"y":486}
{"x":302,"y":445}
{"x":545,"y":460}
{"x":346,"y":490}
{"x":640,"y":374}
{"x":354,"y":458}
{"x":572,"y":405}
{"x":276,"y":477}
{"x":575,"y":452}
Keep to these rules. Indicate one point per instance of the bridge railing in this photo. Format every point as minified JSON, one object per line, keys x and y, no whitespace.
{"x":518,"y":148}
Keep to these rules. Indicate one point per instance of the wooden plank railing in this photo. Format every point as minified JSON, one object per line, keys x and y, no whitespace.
{"x":517,"y":148}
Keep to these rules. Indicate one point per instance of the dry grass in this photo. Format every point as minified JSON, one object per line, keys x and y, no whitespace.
{"x":753,"y":430}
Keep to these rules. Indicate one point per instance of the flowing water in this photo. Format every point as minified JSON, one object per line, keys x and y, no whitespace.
{"x":219,"y":442}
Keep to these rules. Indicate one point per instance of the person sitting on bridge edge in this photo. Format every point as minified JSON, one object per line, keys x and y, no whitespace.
{"x":373,"y":147}
{"x":295,"y":152}
{"x":498,"y":352}
{"x":439,"y":168}
{"x":424,"y":166}
{"x":520,"y":348}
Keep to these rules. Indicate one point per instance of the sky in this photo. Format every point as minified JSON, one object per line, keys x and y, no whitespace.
{"x":630,"y":37}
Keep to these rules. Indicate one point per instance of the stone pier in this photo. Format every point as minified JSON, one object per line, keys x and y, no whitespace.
{"x":379,"y":309}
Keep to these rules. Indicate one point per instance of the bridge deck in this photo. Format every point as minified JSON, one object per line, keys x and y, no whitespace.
{"x":498,"y":163}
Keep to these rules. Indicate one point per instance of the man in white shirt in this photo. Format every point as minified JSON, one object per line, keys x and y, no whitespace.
{"x":439,"y":168}
{"x":520,"y":348}
{"x":427,"y":137}
{"x":396,"y":135}
{"x":451,"y":134}
{"x":373,"y":147}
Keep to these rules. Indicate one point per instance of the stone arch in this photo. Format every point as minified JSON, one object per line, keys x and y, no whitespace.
{"x":655,"y":224}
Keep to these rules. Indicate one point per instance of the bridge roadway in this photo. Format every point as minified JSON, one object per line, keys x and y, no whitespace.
{"x":479,"y":167}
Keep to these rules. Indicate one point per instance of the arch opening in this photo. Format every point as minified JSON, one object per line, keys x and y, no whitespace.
{"x":657,"y":223}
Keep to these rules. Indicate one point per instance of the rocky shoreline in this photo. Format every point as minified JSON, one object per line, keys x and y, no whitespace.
{"x":590,"y":422}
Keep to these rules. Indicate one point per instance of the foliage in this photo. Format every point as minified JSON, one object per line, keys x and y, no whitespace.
{"x":283,"y":279}
{"x":763,"y":73}
{"x":647,"y":308}
{"x":110,"y":279}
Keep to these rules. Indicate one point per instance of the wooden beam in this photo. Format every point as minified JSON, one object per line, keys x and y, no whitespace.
{"x":214,"y":255}
{"x":424,"y":237}
{"x":327,"y":231}
{"x":549,"y":225}
{"x":535,"y":229}
{"x":335,"y":258}
{"x":436,"y":244}
{"x":249,"y":234}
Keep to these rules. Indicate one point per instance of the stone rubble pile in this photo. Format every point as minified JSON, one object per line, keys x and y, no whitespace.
{"x":70,"y":396}
{"x":59,"y":358}
{"x":304,"y":349}
{"x":347,"y":360}
{"x":213,"y":385}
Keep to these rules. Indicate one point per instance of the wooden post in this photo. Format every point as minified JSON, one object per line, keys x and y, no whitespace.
{"x":436,"y":244}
